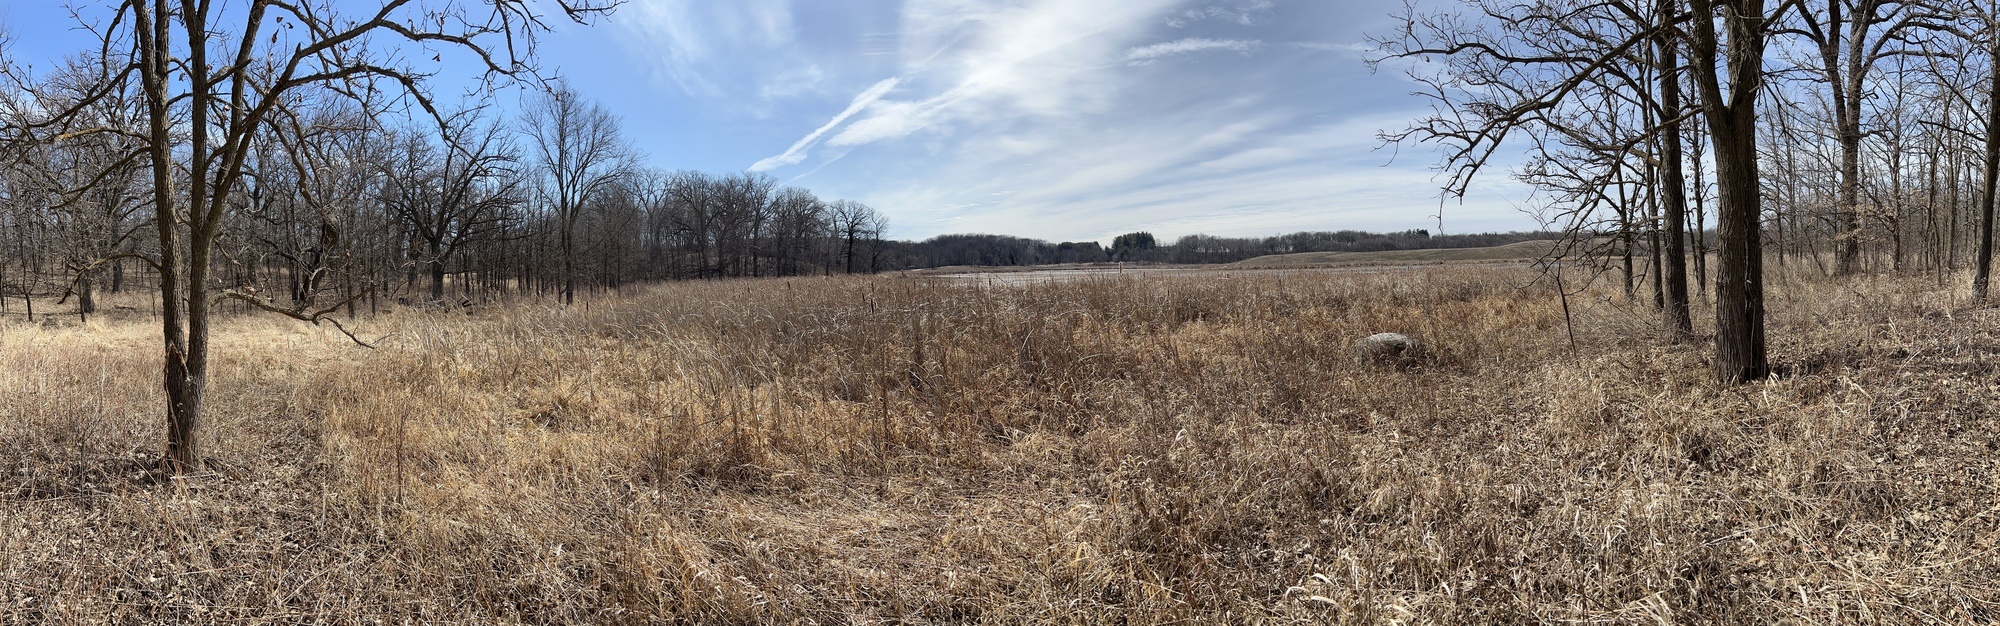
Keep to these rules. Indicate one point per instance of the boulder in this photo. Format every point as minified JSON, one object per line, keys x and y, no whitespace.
{"x":1387,"y":349}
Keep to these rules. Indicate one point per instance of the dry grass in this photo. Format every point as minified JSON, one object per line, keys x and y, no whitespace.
{"x":1147,"y":450}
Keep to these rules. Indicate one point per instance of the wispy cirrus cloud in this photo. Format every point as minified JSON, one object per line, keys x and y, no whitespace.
{"x":1150,"y":53}
{"x":797,"y":153}
{"x":748,"y":51}
{"x":986,"y":63}
{"x":1242,"y":12}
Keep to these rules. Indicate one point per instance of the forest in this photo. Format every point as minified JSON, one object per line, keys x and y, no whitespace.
{"x":1856,"y":136}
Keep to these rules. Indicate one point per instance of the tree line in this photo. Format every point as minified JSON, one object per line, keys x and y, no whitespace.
{"x":339,"y":204}
{"x":1144,"y":247}
{"x":1852,"y":136}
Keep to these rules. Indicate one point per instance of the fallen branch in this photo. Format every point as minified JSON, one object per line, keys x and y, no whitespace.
{"x":301,"y":314}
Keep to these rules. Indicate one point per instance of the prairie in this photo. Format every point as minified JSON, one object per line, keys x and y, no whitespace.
{"x":1113,"y":449}
{"x":1522,"y":252}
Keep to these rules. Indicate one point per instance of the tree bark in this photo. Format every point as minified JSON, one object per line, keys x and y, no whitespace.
{"x":1983,"y":262}
{"x":437,"y":272}
{"x":86,"y":298}
{"x":181,"y":381}
{"x":1732,"y":122}
{"x":1672,"y":189}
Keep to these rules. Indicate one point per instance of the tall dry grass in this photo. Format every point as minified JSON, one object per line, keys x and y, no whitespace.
{"x":1136,"y":450}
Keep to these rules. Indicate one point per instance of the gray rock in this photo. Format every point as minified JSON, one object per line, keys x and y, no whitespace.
{"x":1388,"y":349}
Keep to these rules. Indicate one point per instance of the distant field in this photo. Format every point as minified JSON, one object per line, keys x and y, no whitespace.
{"x":1523,"y":251}
{"x":1030,"y":274}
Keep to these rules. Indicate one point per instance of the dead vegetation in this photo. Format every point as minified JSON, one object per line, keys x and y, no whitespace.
{"x":1521,"y":252}
{"x":1137,"y":450}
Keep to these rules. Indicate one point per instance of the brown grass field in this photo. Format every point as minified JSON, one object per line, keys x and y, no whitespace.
{"x":1141,"y":450}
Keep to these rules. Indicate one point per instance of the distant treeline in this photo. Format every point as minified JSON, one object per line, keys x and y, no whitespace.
{"x":1002,"y":250}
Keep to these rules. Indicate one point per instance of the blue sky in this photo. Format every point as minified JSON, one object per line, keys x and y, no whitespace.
{"x":1054,"y":119}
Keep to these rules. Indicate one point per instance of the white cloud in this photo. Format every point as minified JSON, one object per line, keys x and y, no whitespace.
{"x":797,"y":152}
{"x":794,"y":82}
{"x":987,"y":62}
{"x":1345,"y":48}
{"x":1254,"y":158}
{"x":689,"y":40}
{"x":990,"y":63}
{"x":1266,"y":173}
{"x":1242,"y":12}
{"x":1147,"y":54}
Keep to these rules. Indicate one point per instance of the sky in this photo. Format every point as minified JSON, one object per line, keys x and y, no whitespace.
{"x":1065,"y":120}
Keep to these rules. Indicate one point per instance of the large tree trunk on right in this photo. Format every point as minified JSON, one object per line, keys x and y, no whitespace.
{"x":1983,"y":263}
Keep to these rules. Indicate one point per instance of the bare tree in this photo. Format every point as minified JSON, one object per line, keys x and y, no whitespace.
{"x":1520,"y":66}
{"x":211,"y":79}
{"x":455,"y":192}
{"x":1988,"y":33}
{"x":579,"y":149}
{"x":857,"y":227}
{"x":1850,"y":37}
{"x":1672,"y":188}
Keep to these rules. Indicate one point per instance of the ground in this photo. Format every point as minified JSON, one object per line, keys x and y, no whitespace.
{"x":1146,"y":448}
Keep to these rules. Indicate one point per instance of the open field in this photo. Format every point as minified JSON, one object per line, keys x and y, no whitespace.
{"x":1518,"y":252}
{"x":1108,"y":450}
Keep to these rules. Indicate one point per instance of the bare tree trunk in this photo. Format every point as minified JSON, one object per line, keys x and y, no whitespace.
{"x":437,"y":274}
{"x":86,"y":300}
{"x":1625,"y":235}
{"x":569,"y":266}
{"x":1701,"y":216}
{"x":1983,"y":262}
{"x":182,"y":382}
{"x":1732,"y":121}
{"x":1672,"y":191}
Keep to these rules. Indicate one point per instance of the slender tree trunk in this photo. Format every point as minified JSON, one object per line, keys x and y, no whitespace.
{"x":1932,"y":234}
{"x":568,"y":236}
{"x":1672,"y":191}
{"x":1955,"y":176}
{"x":181,"y":380}
{"x":1626,"y":237}
{"x":1983,"y":263}
{"x":1895,"y":224}
{"x":1701,"y":248}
